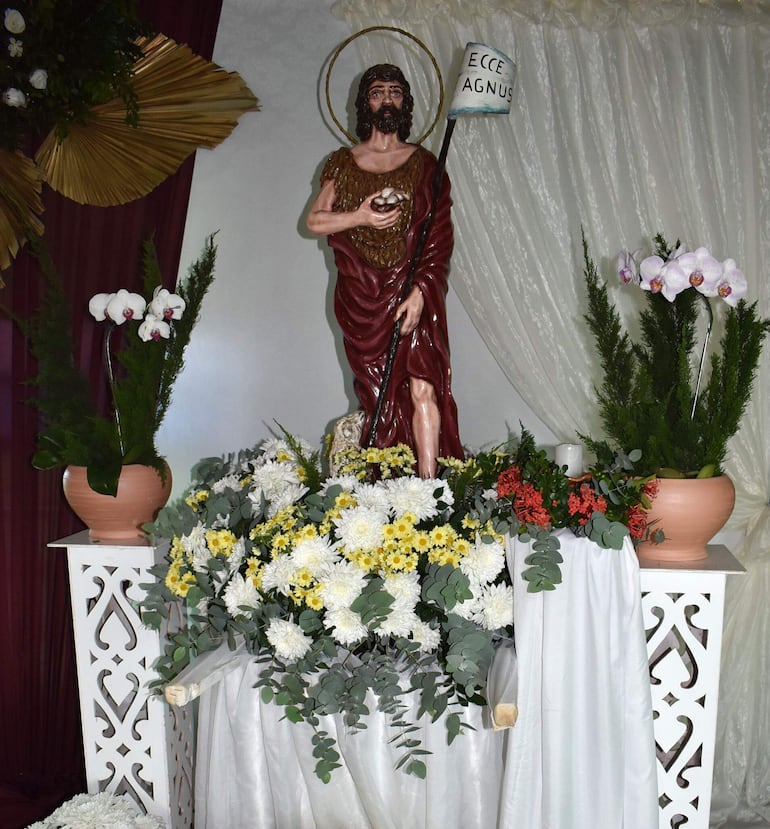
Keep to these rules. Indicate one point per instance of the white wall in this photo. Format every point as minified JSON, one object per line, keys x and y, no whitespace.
{"x":267,"y":346}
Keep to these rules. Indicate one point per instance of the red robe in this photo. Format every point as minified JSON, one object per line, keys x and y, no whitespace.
{"x":372,"y":268}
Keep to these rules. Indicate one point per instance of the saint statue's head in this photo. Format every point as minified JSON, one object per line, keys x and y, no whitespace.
{"x":384,"y":101}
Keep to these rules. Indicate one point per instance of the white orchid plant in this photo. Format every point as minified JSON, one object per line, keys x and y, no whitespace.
{"x":655,"y":395}
{"x":141,"y":374}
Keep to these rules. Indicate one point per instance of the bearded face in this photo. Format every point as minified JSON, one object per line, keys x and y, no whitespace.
{"x":389,"y":116}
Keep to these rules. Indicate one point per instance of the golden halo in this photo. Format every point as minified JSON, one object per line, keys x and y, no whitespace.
{"x":425,"y":49}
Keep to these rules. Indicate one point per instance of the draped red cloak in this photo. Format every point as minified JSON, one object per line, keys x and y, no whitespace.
{"x":367,"y":295}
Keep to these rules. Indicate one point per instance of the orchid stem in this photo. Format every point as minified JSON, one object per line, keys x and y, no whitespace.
{"x":111,"y":378}
{"x":702,"y":356}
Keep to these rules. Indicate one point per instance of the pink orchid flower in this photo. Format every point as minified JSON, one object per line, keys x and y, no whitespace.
{"x":703,"y":271}
{"x":628,"y":269}
{"x":166,"y":305}
{"x":733,"y":286}
{"x":153,"y":328}
{"x":661,"y":277}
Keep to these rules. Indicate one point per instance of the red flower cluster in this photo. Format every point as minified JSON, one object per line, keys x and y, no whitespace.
{"x":585,"y":502}
{"x":637,"y":520}
{"x":650,"y":489}
{"x":526,"y":499}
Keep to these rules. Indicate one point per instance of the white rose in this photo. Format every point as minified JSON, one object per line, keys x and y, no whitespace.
{"x":14,"y":97}
{"x":39,"y":79}
{"x":14,"y":21}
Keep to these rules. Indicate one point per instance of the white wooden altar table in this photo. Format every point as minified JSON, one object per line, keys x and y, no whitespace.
{"x":581,"y":755}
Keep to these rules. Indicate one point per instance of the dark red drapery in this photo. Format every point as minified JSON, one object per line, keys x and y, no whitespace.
{"x":94,"y":249}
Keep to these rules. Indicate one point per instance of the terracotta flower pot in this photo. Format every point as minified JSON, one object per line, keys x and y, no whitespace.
{"x":141,"y":494}
{"x":690,"y":512}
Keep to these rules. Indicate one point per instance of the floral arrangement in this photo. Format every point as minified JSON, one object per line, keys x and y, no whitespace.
{"x":356,"y":582}
{"x":60,"y":60}
{"x":141,"y":375}
{"x":655,"y":395}
{"x":98,"y":811}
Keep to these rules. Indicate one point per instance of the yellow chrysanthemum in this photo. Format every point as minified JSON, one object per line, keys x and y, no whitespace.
{"x":173,"y":579}
{"x":439,"y":536}
{"x":461,"y":546}
{"x":298,"y":595}
{"x":388,"y":532}
{"x":283,"y":456}
{"x":279,"y":544}
{"x":447,"y":556}
{"x":366,"y":560}
{"x":435,"y":554}
{"x":396,"y":560}
{"x":421,"y":541}
{"x":306,"y":533}
{"x":220,"y":542}
{"x":313,"y":600}
{"x":177,"y":551}
{"x":470,"y":523}
{"x":199,"y":496}
{"x":403,"y":527}
{"x":303,"y":577}
{"x":345,"y":500}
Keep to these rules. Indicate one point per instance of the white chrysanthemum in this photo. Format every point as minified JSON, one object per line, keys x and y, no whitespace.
{"x":194,"y":544}
{"x":360,"y":528}
{"x":286,"y":497}
{"x":372,"y":496}
{"x":342,"y":585}
{"x":236,"y":554}
{"x":287,"y":639}
{"x":399,"y":622}
{"x":230,"y":481}
{"x":272,"y":447}
{"x":496,"y":606}
{"x":316,"y":554}
{"x":412,"y":494}
{"x":483,"y":563}
{"x":405,"y":589}
{"x":278,"y":448}
{"x":278,"y":574}
{"x":279,"y":483}
{"x":346,"y":626}
{"x":99,"y":811}
{"x":470,"y":608}
{"x":272,"y":476}
{"x":347,"y":482}
{"x":240,"y":591}
{"x":428,"y":637}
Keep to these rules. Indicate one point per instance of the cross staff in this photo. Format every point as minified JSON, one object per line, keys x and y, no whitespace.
{"x":485,"y":85}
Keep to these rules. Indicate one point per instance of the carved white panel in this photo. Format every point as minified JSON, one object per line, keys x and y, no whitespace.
{"x":134,"y":743}
{"x":683,"y":622}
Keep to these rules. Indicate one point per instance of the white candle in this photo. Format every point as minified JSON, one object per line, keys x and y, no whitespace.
{"x":571,"y":456}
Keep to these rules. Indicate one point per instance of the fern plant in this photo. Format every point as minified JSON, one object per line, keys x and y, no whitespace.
{"x":141,"y":376}
{"x":655,"y":395}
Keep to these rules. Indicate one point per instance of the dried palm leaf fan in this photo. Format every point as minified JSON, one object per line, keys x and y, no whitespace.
{"x":185,"y":102}
{"x":20,"y":203}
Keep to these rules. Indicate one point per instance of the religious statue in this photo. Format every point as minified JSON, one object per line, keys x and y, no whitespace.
{"x":373,"y":201}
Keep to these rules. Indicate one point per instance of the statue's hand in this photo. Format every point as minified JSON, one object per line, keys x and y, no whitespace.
{"x":410,"y":311}
{"x":370,"y":216}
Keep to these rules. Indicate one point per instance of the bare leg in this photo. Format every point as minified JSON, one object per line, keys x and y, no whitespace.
{"x":426,"y":422}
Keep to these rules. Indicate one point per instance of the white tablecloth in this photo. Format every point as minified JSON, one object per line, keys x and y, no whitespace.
{"x":581,"y":755}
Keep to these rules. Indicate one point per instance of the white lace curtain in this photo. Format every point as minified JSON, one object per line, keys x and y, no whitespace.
{"x":628,"y":119}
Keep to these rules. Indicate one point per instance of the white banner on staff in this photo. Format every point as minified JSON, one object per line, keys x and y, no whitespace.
{"x":485,"y":84}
